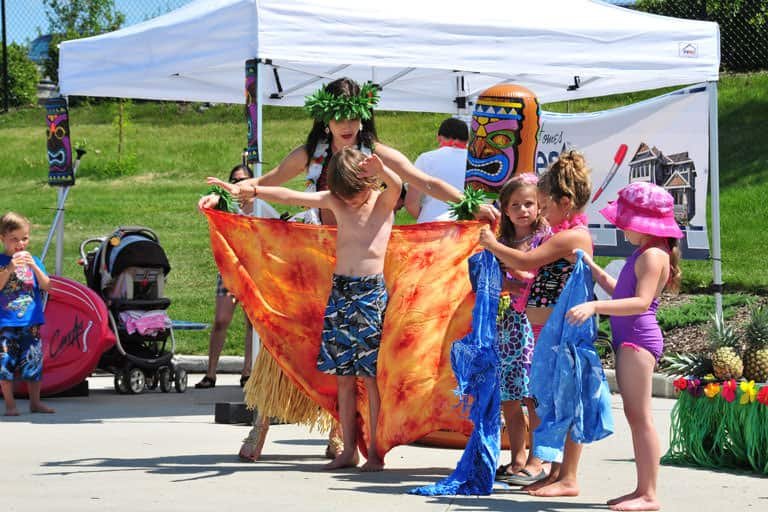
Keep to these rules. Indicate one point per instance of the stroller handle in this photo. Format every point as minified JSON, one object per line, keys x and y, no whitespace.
{"x":142,"y":230}
{"x":85,"y":244}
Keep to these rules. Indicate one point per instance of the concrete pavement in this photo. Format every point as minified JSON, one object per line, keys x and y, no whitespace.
{"x":161,"y":452}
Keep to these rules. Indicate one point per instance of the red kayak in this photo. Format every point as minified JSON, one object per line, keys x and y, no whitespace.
{"x":75,"y":335}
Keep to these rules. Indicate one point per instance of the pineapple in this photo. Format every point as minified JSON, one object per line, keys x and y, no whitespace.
{"x":756,"y":355}
{"x":726,"y":363}
{"x":686,"y":365}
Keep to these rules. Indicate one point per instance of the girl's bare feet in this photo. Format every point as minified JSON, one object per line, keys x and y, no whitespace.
{"x":11,"y":412}
{"x":41,"y":408}
{"x":345,"y":460}
{"x":557,"y":489}
{"x":372,"y":465}
{"x":554,"y":472}
{"x":637,"y":503}
{"x":625,"y":497}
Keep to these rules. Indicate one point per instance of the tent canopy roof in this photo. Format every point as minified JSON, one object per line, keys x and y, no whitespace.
{"x":423,"y":53}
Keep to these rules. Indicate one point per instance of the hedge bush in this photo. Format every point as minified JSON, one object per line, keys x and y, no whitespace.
{"x":22,"y":77}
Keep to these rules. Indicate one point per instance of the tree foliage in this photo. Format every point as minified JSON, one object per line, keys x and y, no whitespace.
{"x":22,"y":77}
{"x":75,"y":19}
{"x":743,"y":27}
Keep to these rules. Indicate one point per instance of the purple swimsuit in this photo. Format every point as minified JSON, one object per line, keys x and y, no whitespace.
{"x":636,"y":331}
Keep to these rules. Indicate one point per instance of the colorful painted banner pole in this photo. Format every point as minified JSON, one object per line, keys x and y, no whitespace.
{"x":59,"y":145}
{"x":61,"y":171}
{"x":252,"y":110}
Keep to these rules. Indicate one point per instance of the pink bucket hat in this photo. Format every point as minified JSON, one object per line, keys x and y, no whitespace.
{"x":645,"y":208}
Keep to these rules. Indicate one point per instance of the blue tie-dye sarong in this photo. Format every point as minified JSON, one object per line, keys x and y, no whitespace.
{"x":567,"y":378}
{"x":475,"y":365}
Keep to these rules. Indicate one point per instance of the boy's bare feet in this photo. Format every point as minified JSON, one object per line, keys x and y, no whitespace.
{"x":557,"y":489}
{"x":637,"y":503}
{"x":625,"y":497}
{"x":345,"y":460}
{"x":11,"y":412}
{"x":372,"y":465}
{"x":41,"y":408}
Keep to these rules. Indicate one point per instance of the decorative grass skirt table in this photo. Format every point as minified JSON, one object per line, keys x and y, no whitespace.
{"x":720,"y":425}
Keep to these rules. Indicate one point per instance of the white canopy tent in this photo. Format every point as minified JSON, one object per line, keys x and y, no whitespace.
{"x":418,"y":51}
{"x":426,"y":55}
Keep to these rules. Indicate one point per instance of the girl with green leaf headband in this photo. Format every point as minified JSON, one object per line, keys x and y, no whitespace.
{"x":334,"y":131}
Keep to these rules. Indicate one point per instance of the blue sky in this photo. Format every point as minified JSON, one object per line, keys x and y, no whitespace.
{"x":25,"y":17}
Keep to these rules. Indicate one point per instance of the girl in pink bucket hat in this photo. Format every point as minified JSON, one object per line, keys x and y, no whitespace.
{"x":645,"y":212}
{"x":644,"y":208}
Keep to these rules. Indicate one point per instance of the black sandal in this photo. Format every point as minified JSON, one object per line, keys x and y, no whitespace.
{"x":206,"y":383}
{"x":243,"y":380}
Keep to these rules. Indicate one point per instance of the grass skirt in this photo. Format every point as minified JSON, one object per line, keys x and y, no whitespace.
{"x":274,"y":395}
{"x":715,"y":433}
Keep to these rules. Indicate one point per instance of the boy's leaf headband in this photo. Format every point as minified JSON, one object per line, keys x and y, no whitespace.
{"x":324,"y":106}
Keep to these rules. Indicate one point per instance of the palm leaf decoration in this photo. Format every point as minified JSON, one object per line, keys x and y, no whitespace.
{"x":469,"y":204}
{"x":226,"y":201}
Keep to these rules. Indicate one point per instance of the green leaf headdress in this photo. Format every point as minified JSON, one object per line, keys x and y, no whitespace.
{"x":324,"y":106}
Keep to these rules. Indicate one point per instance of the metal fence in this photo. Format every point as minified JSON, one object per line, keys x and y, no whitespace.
{"x":743,"y":27}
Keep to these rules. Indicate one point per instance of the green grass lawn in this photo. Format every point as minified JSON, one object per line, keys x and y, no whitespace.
{"x":176,"y":146}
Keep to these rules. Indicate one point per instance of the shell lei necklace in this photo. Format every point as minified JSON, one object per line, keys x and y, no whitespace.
{"x":318,"y":162}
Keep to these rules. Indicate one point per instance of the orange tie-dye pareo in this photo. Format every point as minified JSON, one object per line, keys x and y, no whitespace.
{"x":281,"y":272}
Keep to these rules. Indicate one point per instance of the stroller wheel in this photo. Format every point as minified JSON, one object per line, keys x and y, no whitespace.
{"x":136,"y":380}
{"x":151,"y":380}
{"x":121,"y":383}
{"x":164,"y":377}
{"x":180,"y":380}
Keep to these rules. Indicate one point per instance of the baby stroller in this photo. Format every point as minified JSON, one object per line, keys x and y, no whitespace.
{"x":127,"y":269}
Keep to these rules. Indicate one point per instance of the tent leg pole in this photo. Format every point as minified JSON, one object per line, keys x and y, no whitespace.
{"x":714,"y":180}
{"x":257,"y":170}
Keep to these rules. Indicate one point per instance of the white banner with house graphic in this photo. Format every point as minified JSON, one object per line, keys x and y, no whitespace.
{"x":664,"y":140}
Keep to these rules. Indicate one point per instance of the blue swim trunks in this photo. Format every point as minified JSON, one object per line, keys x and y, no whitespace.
{"x":21,"y":349}
{"x":352,"y":326}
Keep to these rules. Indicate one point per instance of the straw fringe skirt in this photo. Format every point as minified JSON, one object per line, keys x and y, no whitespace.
{"x":273,"y":395}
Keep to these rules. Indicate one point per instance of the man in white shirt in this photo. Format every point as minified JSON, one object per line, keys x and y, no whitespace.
{"x":448,"y":162}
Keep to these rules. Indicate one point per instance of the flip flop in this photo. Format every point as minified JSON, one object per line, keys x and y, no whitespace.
{"x":206,"y":383}
{"x":526,"y":478}
{"x":502,"y":470}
